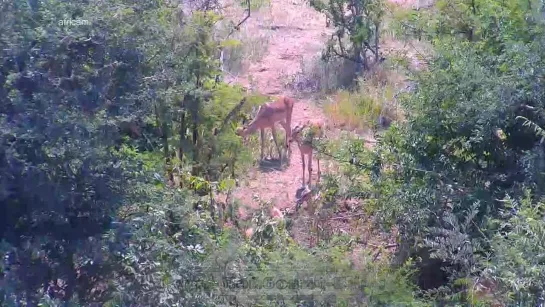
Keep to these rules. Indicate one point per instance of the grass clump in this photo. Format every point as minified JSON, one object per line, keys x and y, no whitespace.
{"x":374,"y":96}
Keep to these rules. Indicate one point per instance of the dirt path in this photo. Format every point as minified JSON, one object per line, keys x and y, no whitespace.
{"x":295,"y":32}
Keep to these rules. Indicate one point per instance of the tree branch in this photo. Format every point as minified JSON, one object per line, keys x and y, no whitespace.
{"x":344,"y":56}
{"x":231,"y":114}
{"x":237,"y":27}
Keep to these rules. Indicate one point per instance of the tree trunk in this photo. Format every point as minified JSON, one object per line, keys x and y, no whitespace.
{"x":196,"y":164}
{"x":377,"y":33}
{"x":164,"y":137}
{"x":70,"y":277}
{"x":212,"y":206}
{"x":471,"y":30}
{"x":212,"y":173}
{"x":182,"y":132}
{"x":360,"y":60}
{"x":195,"y":141}
{"x":161,"y":122}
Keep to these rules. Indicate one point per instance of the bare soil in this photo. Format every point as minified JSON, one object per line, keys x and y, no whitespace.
{"x":294,"y":32}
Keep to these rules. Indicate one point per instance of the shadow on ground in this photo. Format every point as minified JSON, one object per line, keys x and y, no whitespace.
{"x":299,"y":192}
{"x":271,"y":165}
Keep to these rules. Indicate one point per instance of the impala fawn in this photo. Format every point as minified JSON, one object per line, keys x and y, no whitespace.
{"x":269,"y":114}
{"x":306,"y":135}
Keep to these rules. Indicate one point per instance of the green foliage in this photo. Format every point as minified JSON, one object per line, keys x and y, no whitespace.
{"x":326,"y":276}
{"x":472,"y":137}
{"x":58,"y":121}
{"x":82,"y":110}
{"x":90,"y":115}
{"x":357,"y":28}
{"x":165,"y":251}
{"x":488,"y":23}
{"x":517,"y":262}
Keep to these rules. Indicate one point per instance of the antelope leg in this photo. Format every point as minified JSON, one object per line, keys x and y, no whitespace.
{"x":287,"y":143}
{"x":262,"y":142}
{"x":303,"y":162}
{"x":310,"y":169}
{"x":319,"y":172}
{"x":273,"y":129}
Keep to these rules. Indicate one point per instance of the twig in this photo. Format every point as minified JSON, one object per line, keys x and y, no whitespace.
{"x":376,"y":256}
{"x":378,"y":246}
{"x":422,"y":57}
{"x":237,"y":27}
{"x":232,"y":113}
{"x":347,"y":216}
{"x":343,"y":55}
{"x":480,"y":231}
{"x":383,"y":246}
{"x":273,"y":27}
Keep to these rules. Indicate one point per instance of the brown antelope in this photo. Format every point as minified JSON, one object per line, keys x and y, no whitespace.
{"x":278,"y":111}
{"x":306,"y":135}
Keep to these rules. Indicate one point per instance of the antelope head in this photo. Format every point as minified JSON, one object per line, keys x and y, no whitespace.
{"x":295,"y":132}
{"x":243,"y":133}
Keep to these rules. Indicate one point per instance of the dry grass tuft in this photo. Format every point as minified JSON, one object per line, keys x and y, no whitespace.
{"x":251,"y":48}
{"x":321,"y":76}
{"x":250,"y":44}
{"x":374,"y":97}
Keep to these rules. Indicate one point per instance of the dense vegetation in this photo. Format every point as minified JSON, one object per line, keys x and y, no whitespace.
{"x":118,"y":135}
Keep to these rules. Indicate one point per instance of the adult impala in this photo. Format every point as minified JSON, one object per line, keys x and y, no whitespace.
{"x":306,"y":135}
{"x":278,"y":111}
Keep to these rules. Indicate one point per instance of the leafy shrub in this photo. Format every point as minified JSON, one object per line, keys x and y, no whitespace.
{"x":517,"y":261}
